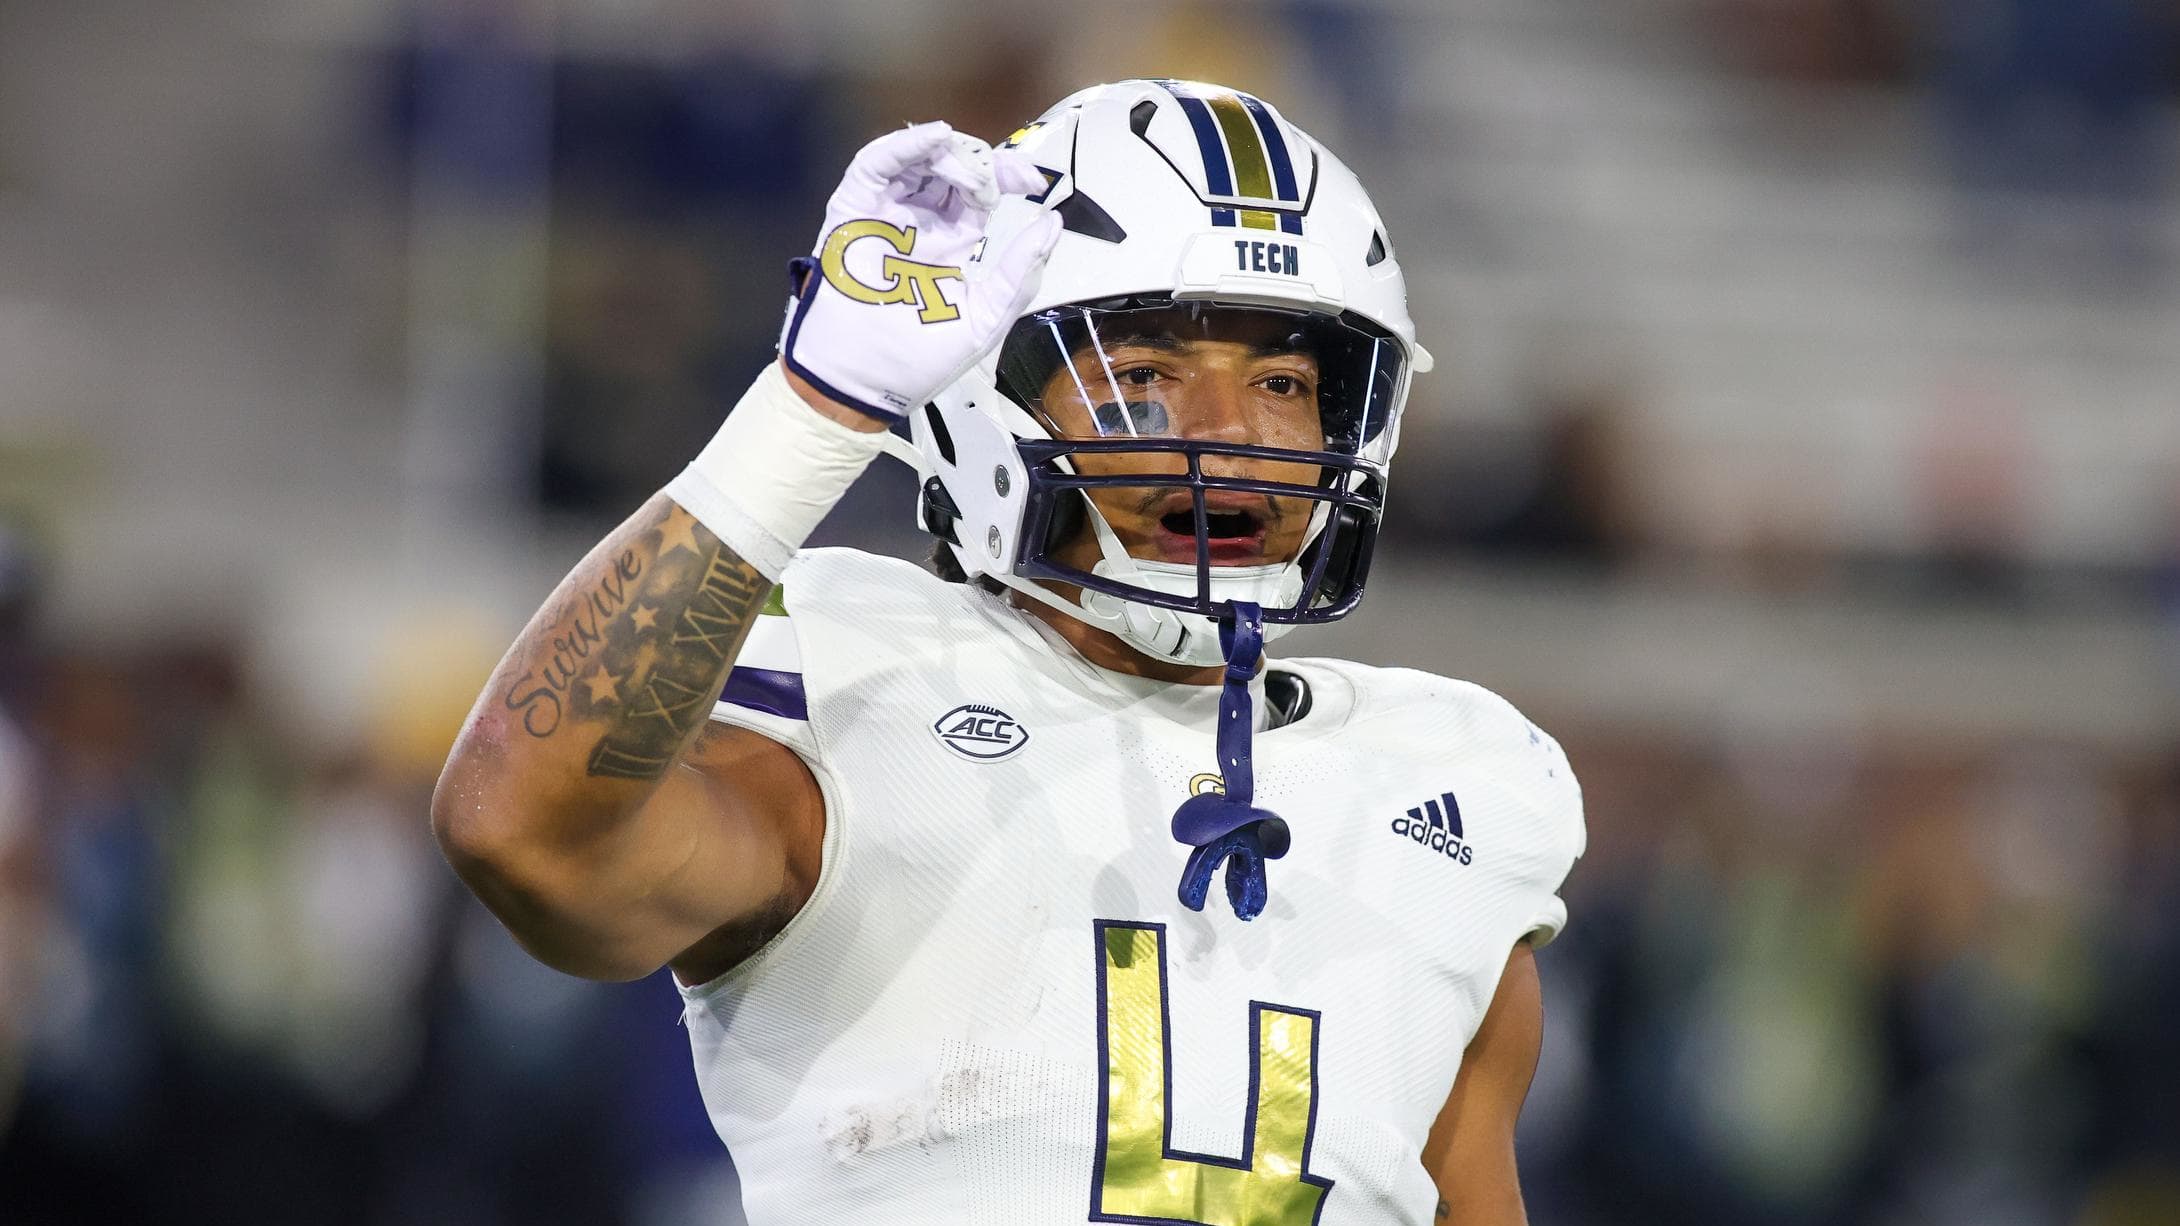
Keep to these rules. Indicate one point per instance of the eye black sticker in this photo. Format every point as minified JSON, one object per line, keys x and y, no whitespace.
{"x":1143,"y":417}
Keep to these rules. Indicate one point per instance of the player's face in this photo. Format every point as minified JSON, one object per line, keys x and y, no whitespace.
{"x":1231,"y":377}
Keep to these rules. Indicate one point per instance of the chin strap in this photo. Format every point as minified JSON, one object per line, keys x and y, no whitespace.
{"x":1227,"y":826}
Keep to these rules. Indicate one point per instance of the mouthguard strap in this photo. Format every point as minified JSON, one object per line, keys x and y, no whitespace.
{"x":1227,"y":826}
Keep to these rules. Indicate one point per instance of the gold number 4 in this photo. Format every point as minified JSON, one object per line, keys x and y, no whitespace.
{"x":1139,"y":1176}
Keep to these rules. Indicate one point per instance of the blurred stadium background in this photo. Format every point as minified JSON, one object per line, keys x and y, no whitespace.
{"x":1805,"y":453}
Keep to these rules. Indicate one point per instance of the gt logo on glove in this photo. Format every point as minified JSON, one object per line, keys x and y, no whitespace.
{"x":907,"y":280}
{"x":924,"y":196}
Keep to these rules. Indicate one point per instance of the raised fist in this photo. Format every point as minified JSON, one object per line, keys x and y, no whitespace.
{"x":901,"y":296}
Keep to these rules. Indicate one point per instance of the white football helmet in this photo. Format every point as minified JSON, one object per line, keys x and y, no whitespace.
{"x":1184,"y":204}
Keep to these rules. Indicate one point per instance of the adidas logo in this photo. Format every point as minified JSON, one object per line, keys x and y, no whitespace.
{"x":1436,"y":824}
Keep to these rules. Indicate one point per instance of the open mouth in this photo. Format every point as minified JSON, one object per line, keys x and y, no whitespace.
{"x":1234,"y":526}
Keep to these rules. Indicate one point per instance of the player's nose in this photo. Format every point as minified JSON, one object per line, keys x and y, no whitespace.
{"x":1219,"y":410}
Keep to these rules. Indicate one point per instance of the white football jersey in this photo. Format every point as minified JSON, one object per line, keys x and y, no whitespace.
{"x":994,"y":1009}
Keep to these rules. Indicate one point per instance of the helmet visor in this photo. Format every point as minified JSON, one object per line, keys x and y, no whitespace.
{"x":1157,"y":368}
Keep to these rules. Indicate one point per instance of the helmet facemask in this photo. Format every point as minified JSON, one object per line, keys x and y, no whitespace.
{"x":1197,"y":455}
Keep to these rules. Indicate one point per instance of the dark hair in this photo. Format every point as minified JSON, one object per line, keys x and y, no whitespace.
{"x":944,"y":565}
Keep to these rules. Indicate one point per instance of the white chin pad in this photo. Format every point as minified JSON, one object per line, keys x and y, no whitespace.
{"x":1168,"y":634}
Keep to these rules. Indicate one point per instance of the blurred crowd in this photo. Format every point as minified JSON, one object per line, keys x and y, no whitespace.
{"x":1817,"y":974}
{"x":237,"y":983}
{"x":1822,"y":981}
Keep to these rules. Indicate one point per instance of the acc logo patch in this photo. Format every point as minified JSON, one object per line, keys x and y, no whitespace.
{"x":980,"y":733}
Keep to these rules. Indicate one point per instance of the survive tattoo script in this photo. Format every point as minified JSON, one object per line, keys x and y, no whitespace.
{"x":636,"y":658}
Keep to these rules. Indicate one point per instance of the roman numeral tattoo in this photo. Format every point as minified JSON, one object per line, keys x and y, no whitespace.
{"x":635,"y":659}
{"x":715,"y":619}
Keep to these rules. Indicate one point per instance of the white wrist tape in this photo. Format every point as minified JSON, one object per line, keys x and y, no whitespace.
{"x":772,"y":472}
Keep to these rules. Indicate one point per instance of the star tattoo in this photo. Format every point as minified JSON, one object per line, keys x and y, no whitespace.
{"x":604,"y":687}
{"x":678,"y":532}
{"x":644,"y":617}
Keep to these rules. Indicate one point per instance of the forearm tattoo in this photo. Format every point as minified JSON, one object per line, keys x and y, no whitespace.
{"x":635,"y":659}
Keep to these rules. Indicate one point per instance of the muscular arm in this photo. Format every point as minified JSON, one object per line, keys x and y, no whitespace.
{"x":572,"y":803}
{"x":581,"y":804}
{"x":1470,"y":1151}
{"x":563,"y":805}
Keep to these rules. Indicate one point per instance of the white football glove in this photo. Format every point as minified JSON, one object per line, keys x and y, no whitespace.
{"x":899,"y":298}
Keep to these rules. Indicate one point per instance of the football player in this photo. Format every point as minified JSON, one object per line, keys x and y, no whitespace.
{"x":1030,"y":892}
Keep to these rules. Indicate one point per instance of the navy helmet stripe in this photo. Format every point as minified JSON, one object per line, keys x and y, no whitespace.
{"x":1217,"y":180}
{"x":1275,"y":148}
{"x":1275,"y":145}
{"x":1219,"y":163}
